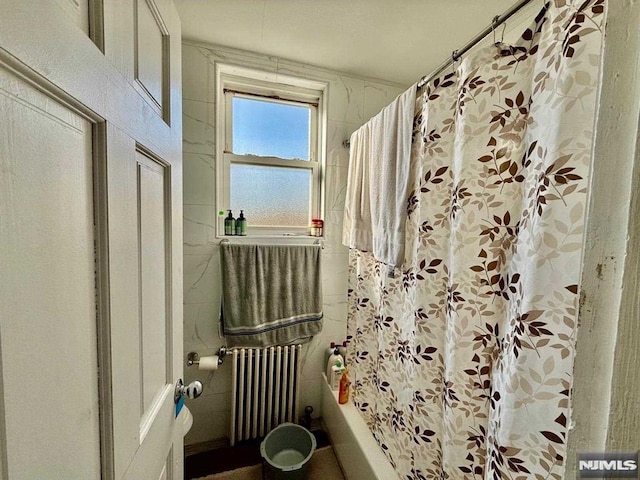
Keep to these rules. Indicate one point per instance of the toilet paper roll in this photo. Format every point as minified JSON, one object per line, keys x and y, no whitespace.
{"x":208,"y":363}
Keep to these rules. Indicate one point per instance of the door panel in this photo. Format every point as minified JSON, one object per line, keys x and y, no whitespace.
{"x":155,"y":317}
{"x":47,"y":288}
{"x":123,"y":296}
{"x":146,"y":355}
{"x":153,"y":455}
{"x":151,"y":52}
{"x":91,"y":207}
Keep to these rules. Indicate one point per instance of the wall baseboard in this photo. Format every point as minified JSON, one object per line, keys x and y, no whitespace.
{"x":205,"y":446}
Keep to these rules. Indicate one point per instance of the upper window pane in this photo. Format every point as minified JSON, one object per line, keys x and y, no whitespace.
{"x":273,"y":129}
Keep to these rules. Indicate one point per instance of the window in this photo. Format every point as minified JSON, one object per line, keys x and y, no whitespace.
{"x":269,"y":150}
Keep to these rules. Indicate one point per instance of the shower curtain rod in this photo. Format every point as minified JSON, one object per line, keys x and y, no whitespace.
{"x":456,"y":54}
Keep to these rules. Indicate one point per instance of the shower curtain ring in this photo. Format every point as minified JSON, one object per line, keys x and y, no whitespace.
{"x":454,"y":56}
{"x":494,"y":25}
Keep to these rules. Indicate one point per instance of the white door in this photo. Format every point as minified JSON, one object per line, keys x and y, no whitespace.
{"x":90,"y":239}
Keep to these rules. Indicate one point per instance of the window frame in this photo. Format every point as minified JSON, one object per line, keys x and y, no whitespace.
{"x":242,"y":82}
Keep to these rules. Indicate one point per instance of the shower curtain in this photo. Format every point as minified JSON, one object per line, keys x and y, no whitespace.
{"x":462,"y":357}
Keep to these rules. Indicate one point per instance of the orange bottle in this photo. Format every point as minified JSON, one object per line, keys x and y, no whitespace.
{"x":343,"y":393}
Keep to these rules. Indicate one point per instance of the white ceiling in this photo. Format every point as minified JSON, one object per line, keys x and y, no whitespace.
{"x":393,"y":40}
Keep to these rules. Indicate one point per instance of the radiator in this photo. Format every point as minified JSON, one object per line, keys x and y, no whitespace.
{"x":264,"y":390}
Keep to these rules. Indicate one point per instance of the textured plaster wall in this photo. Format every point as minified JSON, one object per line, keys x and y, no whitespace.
{"x":606,"y":412}
{"x":351,"y":102}
{"x":624,"y":417}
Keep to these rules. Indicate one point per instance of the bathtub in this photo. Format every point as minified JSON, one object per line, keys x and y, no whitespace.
{"x":357,"y":451}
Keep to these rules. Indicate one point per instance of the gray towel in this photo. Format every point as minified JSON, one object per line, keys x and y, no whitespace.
{"x":271,"y":294}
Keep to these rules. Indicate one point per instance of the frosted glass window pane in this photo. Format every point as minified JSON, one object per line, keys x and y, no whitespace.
{"x":270,"y":129}
{"x":271,"y":196}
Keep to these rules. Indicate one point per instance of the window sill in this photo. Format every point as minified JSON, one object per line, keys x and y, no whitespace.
{"x":271,"y":239}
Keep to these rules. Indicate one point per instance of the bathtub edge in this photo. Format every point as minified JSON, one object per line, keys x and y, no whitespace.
{"x":357,"y":451}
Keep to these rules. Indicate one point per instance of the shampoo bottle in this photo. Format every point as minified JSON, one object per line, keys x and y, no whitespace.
{"x":333,"y":359}
{"x":229,"y":224}
{"x":336,"y":374}
{"x":241,"y":224}
{"x":343,"y":392}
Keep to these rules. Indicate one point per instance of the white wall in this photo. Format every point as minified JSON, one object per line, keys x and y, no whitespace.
{"x":352,"y":101}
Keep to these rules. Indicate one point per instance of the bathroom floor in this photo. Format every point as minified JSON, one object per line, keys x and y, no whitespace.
{"x":322,"y":466}
{"x":204,"y":465}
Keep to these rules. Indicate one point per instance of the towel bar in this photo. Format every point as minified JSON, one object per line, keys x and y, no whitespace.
{"x":316,"y":242}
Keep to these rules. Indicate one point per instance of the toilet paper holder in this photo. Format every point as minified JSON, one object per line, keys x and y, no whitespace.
{"x":194,"y":359}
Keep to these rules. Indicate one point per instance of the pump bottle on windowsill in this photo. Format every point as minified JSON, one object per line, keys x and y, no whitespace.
{"x":241,"y":224}
{"x":229,"y":224}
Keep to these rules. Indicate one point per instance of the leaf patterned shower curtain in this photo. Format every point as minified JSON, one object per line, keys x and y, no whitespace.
{"x":462,"y":359}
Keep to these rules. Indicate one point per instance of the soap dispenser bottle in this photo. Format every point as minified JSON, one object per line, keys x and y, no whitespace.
{"x":241,"y":224}
{"x":333,"y":359}
{"x":229,"y":224}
